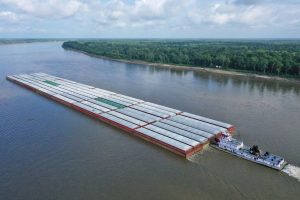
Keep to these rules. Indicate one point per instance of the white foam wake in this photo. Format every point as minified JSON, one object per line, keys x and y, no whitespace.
{"x":293,"y":171}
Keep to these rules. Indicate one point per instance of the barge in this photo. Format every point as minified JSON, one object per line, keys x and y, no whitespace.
{"x":180,"y":132}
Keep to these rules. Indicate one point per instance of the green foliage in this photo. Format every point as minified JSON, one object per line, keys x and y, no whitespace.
{"x":279,"y":57}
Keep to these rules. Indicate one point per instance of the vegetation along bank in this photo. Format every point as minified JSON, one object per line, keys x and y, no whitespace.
{"x":269,"y":57}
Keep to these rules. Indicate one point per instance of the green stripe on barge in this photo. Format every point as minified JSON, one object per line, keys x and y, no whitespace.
{"x":51,"y":83}
{"x":109,"y":102}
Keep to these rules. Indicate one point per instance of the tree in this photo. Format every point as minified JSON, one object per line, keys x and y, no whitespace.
{"x":263,"y":64}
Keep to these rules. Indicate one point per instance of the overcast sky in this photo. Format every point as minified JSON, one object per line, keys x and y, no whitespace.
{"x":150,"y":18}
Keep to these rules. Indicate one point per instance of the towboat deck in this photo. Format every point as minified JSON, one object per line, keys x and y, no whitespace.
{"x":237,"y":148}
{"x":180,"y":132}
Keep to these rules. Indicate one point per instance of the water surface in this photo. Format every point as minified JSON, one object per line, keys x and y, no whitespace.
{"x":48,"y":151}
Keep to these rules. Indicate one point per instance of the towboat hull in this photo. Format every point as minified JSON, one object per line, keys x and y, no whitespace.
{"x":249,"y":159}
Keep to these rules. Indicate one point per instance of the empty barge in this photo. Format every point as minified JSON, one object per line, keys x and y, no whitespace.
{"x":180,"y":132}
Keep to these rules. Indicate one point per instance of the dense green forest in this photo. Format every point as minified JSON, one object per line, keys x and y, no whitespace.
{"x":277,"y":57}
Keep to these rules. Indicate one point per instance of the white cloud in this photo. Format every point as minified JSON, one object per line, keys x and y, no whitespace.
{"x":247,"y":13}
{"x":9,"y":16}
{"x":145,"y":13}
{"x":120,"y":13}
{"x":46,"y":9}
{"x":157,"y":16}
{"x":152,"y":10}
{"x":139,"y":13}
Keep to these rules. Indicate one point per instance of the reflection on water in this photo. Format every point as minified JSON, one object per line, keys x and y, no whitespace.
{"x":48,"y":150}
{"x":238,"y":81}
{"x":250,"y":83}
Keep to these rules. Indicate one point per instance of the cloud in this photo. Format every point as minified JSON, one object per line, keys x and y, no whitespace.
{"x":162,"y":17}
{"x":139,"y":13}
{"x":247,"y":2}
{"x":9,"y":16}
{"x":153,"y":10}
{"x":245,"y":13}
{"x":147,"y":13}
{"x":55,"y":9}
{"x":120,"y":13}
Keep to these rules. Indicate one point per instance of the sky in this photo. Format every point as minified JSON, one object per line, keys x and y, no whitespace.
{"x":149,"y":18}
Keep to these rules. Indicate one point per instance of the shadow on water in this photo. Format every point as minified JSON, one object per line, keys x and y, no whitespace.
{"x":172,"y":71}
{"x":224,"y":80}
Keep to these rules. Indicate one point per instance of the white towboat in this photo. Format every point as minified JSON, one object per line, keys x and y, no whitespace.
{"x":254,"y":154}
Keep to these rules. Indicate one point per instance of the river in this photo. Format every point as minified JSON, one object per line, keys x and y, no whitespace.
{"x":48,"y":151}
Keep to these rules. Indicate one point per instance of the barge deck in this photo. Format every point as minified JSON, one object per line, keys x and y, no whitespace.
{"x":180,"y":132}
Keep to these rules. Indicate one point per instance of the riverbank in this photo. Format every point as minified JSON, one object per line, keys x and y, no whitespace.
{"x":192,"y":68}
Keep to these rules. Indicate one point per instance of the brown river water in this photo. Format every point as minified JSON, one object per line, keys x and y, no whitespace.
{"x":48,"y":151}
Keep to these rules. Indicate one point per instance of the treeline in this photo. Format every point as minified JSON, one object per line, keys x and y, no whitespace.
{"x":278,"y":57}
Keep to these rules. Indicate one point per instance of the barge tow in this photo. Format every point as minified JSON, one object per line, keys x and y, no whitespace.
{"x":180,"y":132}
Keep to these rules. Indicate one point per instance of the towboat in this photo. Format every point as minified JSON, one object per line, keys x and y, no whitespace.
{"x":236,"y":147}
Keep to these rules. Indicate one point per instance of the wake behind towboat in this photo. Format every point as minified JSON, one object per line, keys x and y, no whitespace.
{"x":230,"y":145}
